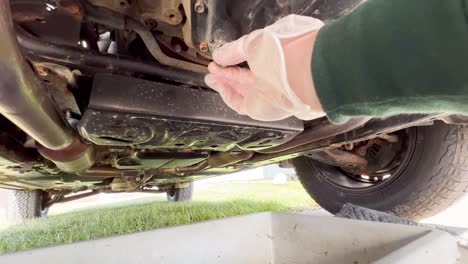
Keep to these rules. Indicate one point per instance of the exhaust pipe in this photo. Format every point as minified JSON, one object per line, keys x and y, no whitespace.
{"x":25,"y":102}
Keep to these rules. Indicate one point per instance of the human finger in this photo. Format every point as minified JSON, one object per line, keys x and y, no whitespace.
{"x":231,"y":53}
{"x":228,"y":93}
{"x":241,"y":79}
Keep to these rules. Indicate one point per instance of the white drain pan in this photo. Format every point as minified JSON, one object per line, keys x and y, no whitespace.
{"x":261,"y":238}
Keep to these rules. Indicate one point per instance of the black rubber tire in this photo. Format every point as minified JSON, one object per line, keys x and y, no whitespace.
{"x":25,"y":205}
{"x":180,"y":194}
{"x":435,"y":177}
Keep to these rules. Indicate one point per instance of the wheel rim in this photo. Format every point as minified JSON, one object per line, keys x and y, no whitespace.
{"x":355,"y":183}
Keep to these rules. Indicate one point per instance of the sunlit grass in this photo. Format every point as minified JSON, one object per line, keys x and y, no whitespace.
{"x":148,"y":213}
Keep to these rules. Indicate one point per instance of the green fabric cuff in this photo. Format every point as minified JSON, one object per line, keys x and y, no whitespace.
{"x":393,"y":57}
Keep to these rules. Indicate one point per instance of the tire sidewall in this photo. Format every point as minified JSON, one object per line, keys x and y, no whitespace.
{"x":181,"y":194}
{"x":394,"y":196}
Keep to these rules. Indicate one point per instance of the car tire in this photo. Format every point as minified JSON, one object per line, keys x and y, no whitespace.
{"x":435,"y":177}
{"x":25,"y":205}
{"x":180,"y":194}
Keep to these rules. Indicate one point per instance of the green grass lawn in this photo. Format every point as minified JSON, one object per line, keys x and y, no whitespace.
{"x":212,"y":202}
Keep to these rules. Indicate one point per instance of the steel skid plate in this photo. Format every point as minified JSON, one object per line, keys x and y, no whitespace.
{"x":126,"y":111}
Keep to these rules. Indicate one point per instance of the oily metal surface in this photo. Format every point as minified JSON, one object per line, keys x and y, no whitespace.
{"x":132,"y":112}
{"x":90,"y":61}
{"x":226,"y":20}
{"x":23,"y":99}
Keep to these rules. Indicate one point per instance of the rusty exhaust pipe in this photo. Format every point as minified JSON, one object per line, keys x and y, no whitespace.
{"x":25,"y":102}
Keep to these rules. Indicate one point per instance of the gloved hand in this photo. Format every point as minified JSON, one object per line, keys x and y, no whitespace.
{"x":279,"y":83}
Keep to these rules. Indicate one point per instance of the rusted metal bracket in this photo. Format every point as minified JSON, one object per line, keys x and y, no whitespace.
{"x":317,"y":132}
{"x":25,"y":102}
{"x":116,"y":20}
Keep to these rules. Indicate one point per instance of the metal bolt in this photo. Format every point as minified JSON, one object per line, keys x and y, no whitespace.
{"x":199,"y":6}
{"x":151,"y":23}
{"x":177,"y":48}
{"x":203,"y":46}
{"x":42,"y":70}
{"x":349,"y":146}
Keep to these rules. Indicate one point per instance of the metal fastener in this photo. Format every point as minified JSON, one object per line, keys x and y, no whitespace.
{"x":203,"y":46}
{"x":177,"y":48}
{"x":199,"y":6}
{"x":151,"y":23}
{"x":349,"y":146}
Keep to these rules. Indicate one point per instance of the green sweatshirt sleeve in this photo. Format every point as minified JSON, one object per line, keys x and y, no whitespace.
{"x":394,"y":56}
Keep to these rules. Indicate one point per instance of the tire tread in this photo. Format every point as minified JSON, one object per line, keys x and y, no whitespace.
{"x":181,"y":194}
{"x":440,"y":172}
{"x":24,"y":204}
{"x":448,"y":182}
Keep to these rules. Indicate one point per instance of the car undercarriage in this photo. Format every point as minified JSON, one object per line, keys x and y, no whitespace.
{"x":108,"y":96}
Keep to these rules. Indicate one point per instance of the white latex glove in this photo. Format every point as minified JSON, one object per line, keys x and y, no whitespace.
{"x":279,"y":83}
